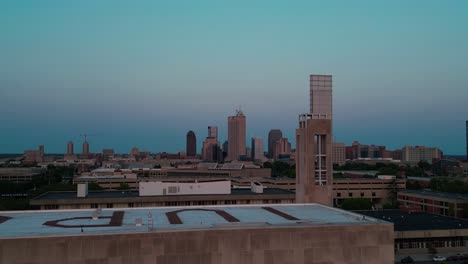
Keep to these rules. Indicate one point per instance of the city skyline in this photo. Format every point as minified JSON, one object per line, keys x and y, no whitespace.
{"x":143,"y":75}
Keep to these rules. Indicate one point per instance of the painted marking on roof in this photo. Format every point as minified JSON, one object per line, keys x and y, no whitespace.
{"x":175,"y":219}
{"x":115,"y":220}
{"x":282,"y":214}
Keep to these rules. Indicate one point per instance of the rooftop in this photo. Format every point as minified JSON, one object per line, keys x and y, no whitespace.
{"x":412,"y":221}
{"x":123,"y":220}
{"x":452,"y":196}
{"x":126,"y":194}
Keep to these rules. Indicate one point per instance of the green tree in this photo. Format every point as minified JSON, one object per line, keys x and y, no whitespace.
{"x":356,"y":204}
{"x":123,"y":186}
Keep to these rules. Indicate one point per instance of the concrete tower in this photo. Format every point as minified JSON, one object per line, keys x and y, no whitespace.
{"x":70,"y":148}
{"x":273,"y":136}
{"x":314,"y":170}
{"x":191,"y":144}
{"x":213,"y":132}
{"x":236,"y":136}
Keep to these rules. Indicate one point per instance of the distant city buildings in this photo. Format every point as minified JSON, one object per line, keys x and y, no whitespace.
{"x":191,"y":149}
{"x":236,"y":136}
{"x":257,"y":149}
{"x":107,"y":153}
{"x":34,"y":156}
{"x":281,"y":149}
{"x":420,"y":153}
{"x":314,"y":171}
{"x":85,"y":148}
{"x":211,"y":149}
{"x":339,"y":153}
{"x":273,"y":136}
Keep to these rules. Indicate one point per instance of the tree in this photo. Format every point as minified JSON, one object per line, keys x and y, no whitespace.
{"x":123,"y":186}
{"x":356,"y":204}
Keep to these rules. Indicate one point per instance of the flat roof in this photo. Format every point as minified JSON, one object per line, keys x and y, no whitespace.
{"x":123,"y":220}
{"x":414,"y":221}
{"x":126,"y":194}
{"x":452,"y":196}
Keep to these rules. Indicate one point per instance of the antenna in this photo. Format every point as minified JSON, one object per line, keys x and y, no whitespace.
{"x":86,"y":136}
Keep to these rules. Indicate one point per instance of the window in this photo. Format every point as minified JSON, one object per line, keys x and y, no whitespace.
{"x":130,"y":205}
{"x":362,"y":194}
{"x":338,"y":194}
{"x":350,"y":194}
{"x":94,"y":206}
{"x":173,"y":189}
{"x":373,"y":194}
{"x":110,"y":205}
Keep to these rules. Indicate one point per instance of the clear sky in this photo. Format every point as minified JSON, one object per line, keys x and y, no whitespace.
{"x":143,"y":73}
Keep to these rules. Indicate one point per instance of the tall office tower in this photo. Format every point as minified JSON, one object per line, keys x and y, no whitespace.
{"x":70,"y":148}
{"x":281,"y":149}
{"x":467,"y":140}
{"x":236,"y":136}
{"x":273,"y":136}
{"x":213,"y":132}
{"x":314,"y":170}
{"x":211,"y":150}
{"x":85,"y":148}
{"x":257,"y":149}
{"x":41,"y":150}
{"x":191,"y":144}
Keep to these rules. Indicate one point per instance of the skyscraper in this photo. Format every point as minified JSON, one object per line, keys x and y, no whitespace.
{"x":314,"y":172}
{"x":211,"y":149}
{"x":257,"y":149}
{"x":213,"y":132}
{"x":273,"y":136}
{"x":85,"y":148}
{"x":236,"y":136}
{"x":70,"y":148}
{"x":281,"y":148}
{"x":191,"y":144}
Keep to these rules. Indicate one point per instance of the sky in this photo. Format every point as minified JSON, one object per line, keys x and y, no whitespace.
{"x":143,"y":73}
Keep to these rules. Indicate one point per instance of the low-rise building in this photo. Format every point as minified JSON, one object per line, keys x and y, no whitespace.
{"x":447,"y":204}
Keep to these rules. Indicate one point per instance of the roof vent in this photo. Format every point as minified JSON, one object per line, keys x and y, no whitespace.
{"x":256,"y":187}
{"x":82,"y":190}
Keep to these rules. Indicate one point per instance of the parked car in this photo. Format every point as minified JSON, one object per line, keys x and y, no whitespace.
{"x":455,"y":258}
{"x":407,"y":259}
{"x":439,"y":258}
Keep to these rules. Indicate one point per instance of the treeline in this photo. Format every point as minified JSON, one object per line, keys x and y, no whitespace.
{"x":386,"y":168}
{"x":281,"y":169}
{"x":448,"y":185}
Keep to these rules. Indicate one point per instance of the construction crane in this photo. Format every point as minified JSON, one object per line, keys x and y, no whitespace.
{"x":86,"y":136}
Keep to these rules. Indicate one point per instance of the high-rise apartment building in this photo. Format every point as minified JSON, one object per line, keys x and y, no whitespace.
{"x":339,"y":153}
{"x":314,"y":170}
{"x":191,"y":144}
{"x":70,"y":148}
{"x":236,"y":136}
{"x":257,"y":149}
{"x":273,"y":136}
{"x":420,"y":153}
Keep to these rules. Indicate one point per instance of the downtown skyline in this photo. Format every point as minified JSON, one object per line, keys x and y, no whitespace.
{"x":132,"y":82}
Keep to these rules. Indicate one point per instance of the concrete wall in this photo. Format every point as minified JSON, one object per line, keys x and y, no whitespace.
{"x":277,"y":245}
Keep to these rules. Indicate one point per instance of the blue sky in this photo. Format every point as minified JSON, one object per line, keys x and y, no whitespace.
{"x":143,"y":73}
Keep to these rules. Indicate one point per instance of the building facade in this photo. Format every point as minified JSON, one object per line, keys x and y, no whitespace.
{"x":191,"y":144}
{"x":339,"y":153}
{"x":85,"y":150}
{"x":281,"y":149}
{"x":273,"y":136}
{"x":314,"y":170}
{"x":257,"y":149}
{"x":420,"y":153}
{"x":236,"y":136}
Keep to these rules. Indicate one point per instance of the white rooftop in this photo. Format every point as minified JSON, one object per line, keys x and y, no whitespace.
{"x":32,"y":223}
